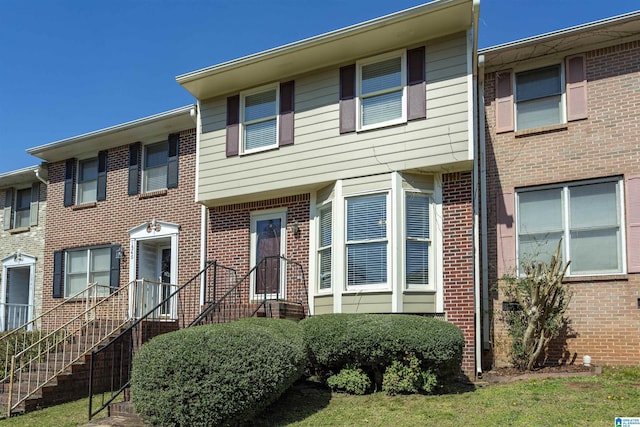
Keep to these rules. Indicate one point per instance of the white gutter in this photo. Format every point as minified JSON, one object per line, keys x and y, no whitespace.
{"x":482,"y":160}
{"x":37,"y":172}
{"x":113,"y":129}
{"x":477,"y":126}
{"x":194,"y":112}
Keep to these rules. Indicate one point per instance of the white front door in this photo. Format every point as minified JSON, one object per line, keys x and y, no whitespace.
{"x":16,"y":298}
{"x":268,"y":244}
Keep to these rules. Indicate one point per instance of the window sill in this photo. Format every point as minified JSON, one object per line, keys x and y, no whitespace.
{"x":419,"y":291}
{"x":19,"y":230}
{"x":596,"y":278}
{"x":541,"y":130}
{"x":367,"y":291}
{"x":84,"y":206}
{"x":371,"y":128}
{"x":259,"y":150}
{"x":152,"y":194}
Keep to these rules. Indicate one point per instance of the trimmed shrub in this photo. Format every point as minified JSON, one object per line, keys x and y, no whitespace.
{"x":350,"y":380}
{"x":374,"y":341}
{"x":216,"y":374}
{"x":407,"y":376}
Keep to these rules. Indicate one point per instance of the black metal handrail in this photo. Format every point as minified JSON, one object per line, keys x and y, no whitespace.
{"x":121,"y":348}
{"x":269,"y":267}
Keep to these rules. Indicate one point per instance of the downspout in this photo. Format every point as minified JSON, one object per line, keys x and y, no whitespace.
{"x":476,"y":182}
{"x":195,"y":115}
{"x":483,"y":210}
{"x":37,"y":172}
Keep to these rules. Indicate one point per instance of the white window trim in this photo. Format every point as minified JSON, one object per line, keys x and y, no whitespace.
{"x":143,"y":184}
{"x":431,"y":286}
{"x":103,"y":291}
{"x":254,"y":217}
{"x":243,"y":96}
{"x":563,"y":92}
{"x":565,"y":228}
{"x":12,"y":261}
{"x":330,"y":206}
{"x":77,"y":193}
{"x":372,"y":287}
{"x":403,"y":83}
{"x":14,"y":213}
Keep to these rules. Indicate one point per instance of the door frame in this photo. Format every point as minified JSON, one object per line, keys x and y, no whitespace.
{"x":278,"y":213}
{"x":149,"y":231}
{"x":17,"y":260}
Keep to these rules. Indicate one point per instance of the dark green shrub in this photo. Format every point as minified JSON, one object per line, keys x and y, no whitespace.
{"x":17,"y":342}
{"x":216,"y":374}
{"x":374,"y":341}
{"x":350,"y":380}
{"x":407,"y":376}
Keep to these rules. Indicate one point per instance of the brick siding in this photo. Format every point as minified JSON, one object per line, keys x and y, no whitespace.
{"x":605,"y":319}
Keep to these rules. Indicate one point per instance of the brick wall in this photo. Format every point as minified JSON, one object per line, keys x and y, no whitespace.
{"x":229,"y":239}
{"x":457,"y":217}
{"x":605,"y":320}
{"x":107,"y":222}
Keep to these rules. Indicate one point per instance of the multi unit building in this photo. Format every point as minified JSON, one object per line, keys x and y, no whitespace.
{"x":395,"y":166}
{"x":561,"y":148}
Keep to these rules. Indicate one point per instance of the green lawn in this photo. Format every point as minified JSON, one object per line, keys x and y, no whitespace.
{"x":578,"y":401}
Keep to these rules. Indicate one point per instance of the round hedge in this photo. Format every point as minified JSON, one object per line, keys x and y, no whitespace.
{"x":216,"y":374}
{"x":374,"y":341}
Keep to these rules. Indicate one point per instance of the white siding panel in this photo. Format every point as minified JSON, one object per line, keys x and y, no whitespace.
{"x":320,"y":154}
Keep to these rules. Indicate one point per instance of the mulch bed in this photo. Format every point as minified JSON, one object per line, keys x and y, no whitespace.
{"x":508,"y":374}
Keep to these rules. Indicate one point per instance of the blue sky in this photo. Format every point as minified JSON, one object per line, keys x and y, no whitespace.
{"x":71,"y":67}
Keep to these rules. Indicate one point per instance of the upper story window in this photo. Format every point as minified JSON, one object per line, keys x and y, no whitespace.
{"x":87,"y":181}
{"x":367,"y":242}
{"x":260,"y":120}
{"x":586,"y":215}
{"x":381,"y":91}
{"x":539,"y":98}
{"x":21,"y":207}
{"x":159,"y":163}
{"x":154,"y":171}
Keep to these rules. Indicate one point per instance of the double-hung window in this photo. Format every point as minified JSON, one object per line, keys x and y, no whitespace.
{"x":539,"y":97}
{"x":367,"y":243}
{"x":418,"y":246}
{"x":155,"y":167}
{"x":381,"y":84}
{"x":22,"y":208}
{"x":586,"y":215}
{"x":84,"y":266}
{"x":324,"y":248}
{"x":260,"y":119}
{"x":87,"y":181}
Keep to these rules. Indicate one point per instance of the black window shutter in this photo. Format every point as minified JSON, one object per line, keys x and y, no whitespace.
{"x":416,"y":84}
{"x":134,"y":168}
{"x":69,"y":173}
{"x":58,"y":282}
{"x":114,"y":280}
{"x":172,"y":171}
{"x":287,"y":102}
{"x":102,"y":175}
{"x":35,"y":203}
{"x":348,"y":99}
{"x":233,"y":125}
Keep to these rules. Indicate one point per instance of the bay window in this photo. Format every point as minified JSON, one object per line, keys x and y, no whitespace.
{"x":418,"y":246}
{"x":324,"y":248}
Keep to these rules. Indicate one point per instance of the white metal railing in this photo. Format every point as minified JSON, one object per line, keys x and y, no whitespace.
{"x":147,"y":294}
{"x":14,"y":315}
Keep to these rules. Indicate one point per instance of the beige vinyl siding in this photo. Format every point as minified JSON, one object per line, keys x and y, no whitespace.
{"x":418,"y":182}
{"x":366,"y":184}
{"x":320,"y":154}
{"x":367,"y":303}
{"x":323,"y":304}
{"x":325,"y":194}
{"x":419,"y":303}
